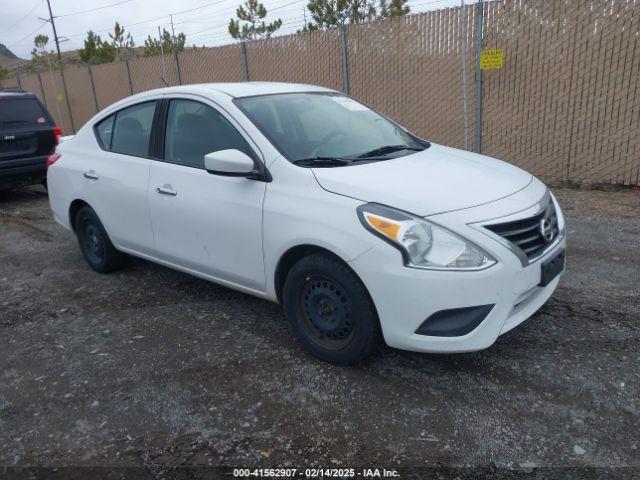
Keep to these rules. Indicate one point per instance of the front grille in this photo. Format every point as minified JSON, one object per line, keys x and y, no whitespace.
{"x":531,"y":235}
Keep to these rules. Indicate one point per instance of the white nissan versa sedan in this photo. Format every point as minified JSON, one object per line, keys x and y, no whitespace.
{"x":304,"y":196}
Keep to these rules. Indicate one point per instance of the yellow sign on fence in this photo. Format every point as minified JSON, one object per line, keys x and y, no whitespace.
{"x":491,"y":59}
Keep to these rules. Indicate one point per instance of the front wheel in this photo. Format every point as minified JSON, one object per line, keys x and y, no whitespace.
{"x":96,"y":247}
{"x":330,"y":311}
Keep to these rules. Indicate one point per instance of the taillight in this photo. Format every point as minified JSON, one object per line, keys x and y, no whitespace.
{"x":57,"y":132}
{"x":51,"y":159}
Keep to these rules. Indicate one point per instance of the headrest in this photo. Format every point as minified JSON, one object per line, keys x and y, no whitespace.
{"x":130,"y":125}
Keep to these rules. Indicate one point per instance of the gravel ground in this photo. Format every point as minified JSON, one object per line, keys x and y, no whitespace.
{"x":154,"y":369}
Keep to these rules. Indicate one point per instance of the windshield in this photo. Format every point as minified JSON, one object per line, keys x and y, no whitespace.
{"x":327,"y":126}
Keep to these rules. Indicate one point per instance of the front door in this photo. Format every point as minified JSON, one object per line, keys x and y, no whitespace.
{"x":206,"y":223}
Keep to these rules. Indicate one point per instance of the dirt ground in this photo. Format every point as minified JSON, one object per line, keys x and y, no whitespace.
{"x":154,"y":369}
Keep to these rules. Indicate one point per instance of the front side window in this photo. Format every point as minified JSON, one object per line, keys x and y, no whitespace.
{"x":195,"y":129}
{"x":131,"y":130}
{"x":327,"y":126}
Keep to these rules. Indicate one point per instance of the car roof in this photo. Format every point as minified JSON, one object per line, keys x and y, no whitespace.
{"x":16,"y":93}
{"x":247,"y":89}
{"x":233,"y":90}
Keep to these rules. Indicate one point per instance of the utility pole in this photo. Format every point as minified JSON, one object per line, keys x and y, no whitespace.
{"x":173,"y":32}
{"x":55,"y":33}
{"x":174,"y":47}
{"x":64,"y":82}
{"x":164,"y":65}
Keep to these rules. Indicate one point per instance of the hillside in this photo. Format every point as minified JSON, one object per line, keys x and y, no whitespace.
{"x":6,"y":55}
{"x":18,"y":66}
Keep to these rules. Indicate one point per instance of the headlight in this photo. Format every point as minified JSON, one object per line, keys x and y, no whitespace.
{"x":423,"y":244}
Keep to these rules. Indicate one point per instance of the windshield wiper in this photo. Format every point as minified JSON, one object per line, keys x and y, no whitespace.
{"x":321,"y":162}
{"x":13,"y":121}
{"x":388,"y":149}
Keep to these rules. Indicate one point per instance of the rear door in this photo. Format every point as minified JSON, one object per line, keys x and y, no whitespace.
{"x":26,"y":132}
{"x":116,"y":175}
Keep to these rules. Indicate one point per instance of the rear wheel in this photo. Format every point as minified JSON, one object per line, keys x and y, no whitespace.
{"x":330,"y":311}
{"x":96,"y":247}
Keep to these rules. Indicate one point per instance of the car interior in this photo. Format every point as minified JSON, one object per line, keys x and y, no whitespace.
{"x":194,"y":129}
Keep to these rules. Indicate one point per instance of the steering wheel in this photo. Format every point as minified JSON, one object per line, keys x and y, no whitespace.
{"x":327,"y":139}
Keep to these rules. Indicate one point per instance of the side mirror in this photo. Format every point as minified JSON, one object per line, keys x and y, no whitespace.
{"x":230,"y":163}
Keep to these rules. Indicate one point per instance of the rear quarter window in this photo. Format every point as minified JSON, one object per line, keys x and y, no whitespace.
{"x":25,"y":111}
{"x":104,"y":130}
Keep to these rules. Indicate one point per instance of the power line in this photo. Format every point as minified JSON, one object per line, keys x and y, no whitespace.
{"x":200,"y":7}
{"x":93,"y":9}
{"x":216,"y":35}
{"x":23,"y":17}
{"x":200,"y":33}
{"x":111,"y":28}
{"x":203,"y":34}
{"x":181,"y":12}
{"x":151,"y":19}
{"x":282,"y":6}
{"x":27,"y":35}
{"x":208,"y":35}
{"x":194,"y":34}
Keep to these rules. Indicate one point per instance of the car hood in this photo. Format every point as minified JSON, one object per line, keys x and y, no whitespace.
{"x":436,"y":180}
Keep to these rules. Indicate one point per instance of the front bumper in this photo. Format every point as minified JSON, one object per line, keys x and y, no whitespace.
{"x":405,"y":297}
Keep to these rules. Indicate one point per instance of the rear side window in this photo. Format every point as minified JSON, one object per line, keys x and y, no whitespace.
{"x":128,"y":131}
{"x":21,"y":111}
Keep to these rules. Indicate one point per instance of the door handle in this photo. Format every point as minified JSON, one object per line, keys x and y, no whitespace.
{"x":166,"y":190}
{"x":91,"y":175}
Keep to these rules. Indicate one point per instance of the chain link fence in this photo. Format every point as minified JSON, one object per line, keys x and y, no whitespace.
{"x":565,"y":105}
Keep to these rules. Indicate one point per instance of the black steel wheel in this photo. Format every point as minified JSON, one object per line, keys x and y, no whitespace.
{"x":326,"y":310}
{"x":95,"y":245}
{"x":329,"y":310}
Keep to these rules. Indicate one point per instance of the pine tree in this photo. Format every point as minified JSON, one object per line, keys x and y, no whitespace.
{"x":254,"y":27}
{"x":396,"y":8}
{"x":122,"y":43}
{"x":96,"y":51}
{"x":154,"y":46}
{"x":331,"y":13}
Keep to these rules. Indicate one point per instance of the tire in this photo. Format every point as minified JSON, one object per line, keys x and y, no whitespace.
{"x":95,"y":245}
{"x":330,"y":311}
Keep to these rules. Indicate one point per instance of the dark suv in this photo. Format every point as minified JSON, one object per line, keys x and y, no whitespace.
{"x":28,"y":136}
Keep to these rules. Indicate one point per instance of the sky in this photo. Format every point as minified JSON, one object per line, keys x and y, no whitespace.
{"x":203,"y":21}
